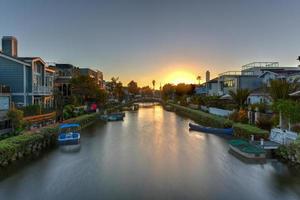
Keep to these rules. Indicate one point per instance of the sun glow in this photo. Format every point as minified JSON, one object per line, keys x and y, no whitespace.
{"x":181,"y":77}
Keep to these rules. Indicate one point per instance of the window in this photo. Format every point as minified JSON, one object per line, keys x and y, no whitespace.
{"x":229,"y":83}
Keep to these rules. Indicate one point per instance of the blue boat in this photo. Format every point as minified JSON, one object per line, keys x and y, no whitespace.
{"x":196,"y":127}
{"x":69,"y":134}
{"x":113,"y":117}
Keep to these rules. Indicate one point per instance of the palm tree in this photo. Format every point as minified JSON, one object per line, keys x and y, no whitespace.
{"x":279,"y":91}
{"x":153,"y":83}
{"x":199,"y":79}
{"x":239,"y":96}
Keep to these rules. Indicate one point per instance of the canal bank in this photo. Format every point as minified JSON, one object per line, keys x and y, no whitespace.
{"x":240,"y":130}
{"x":289,"y":154}
{"x":149,"y":155}
{"x":34,"y":143}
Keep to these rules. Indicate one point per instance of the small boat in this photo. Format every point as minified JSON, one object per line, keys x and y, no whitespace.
{"x":196,"y":127}
{"x":113,"y":117}
{"x":247,"y":150}
{"x":69,"y":134}
{"x":118,"y":114}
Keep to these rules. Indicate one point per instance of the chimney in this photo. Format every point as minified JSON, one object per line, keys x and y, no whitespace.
{"x":10,"y":46}
{"x":207,"y":76}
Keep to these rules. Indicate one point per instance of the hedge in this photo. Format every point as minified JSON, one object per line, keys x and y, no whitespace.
{"x":246,"y":130}
{"x":290,"y":152}
{"x":203,"y":118}
{"x":240,"y":130}
{"x":29,"y":142}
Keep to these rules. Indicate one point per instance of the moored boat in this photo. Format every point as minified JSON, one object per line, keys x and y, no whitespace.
{"x":69,"y":134}
{"x":247,"y":150}
{"x":113,"y":117}
{"x":196,"y":127}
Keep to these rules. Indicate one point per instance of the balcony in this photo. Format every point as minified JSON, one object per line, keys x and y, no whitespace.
{"x":237,"y":73}
{"x":42,"y":90}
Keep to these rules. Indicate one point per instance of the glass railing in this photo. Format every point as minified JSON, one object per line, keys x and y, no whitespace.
{"x":42,"y":90}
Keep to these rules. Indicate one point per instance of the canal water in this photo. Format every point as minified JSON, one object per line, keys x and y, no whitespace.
{"x":149,"y":155}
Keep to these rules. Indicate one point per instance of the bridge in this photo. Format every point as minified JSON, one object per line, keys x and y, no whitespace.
{"x":147,"y":99}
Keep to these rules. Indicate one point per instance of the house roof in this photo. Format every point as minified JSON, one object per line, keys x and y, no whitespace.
{"x":30,"y":59}
{"x":260,"y":92}
{"x":15,"y":59}
{"x":215,"y":80}
{"x":282,"y":71}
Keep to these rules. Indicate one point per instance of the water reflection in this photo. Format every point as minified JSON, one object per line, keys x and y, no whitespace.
{"x":70,"y":148}
{"x":149,"y":155}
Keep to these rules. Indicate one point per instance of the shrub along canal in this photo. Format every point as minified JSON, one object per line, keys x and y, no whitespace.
{"x":149,"y":155}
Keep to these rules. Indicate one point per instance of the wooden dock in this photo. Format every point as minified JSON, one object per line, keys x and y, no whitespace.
{"x":267,"y":145}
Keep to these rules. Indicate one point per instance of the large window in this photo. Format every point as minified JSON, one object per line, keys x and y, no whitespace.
{"x":4,"y":103}
{"x":229,"y":83}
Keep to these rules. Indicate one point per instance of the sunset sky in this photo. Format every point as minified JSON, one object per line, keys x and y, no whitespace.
{"x":169,"y":41}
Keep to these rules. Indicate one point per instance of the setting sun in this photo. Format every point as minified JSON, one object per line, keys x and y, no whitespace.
{"x":180,"y":77}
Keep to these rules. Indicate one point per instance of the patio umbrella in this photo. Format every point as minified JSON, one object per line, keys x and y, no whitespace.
{"x":295,"y":94}
{"x":226,"y":97}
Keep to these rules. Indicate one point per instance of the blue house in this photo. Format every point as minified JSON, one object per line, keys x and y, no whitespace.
{"x":29,"y":78}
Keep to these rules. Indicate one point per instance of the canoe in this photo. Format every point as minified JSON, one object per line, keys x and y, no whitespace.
{"x":196,"y":127}
{"x":247,"y":150}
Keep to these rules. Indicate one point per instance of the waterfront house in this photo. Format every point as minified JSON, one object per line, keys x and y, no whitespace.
{"x":233,"y":80}
{"x":254,"y":75}
{"x":5,"y":105}
{"x":201,"y":89}
{"x":260,"y":95}
{"x":63,"y":75}
{"x":94,"y":74}
{"x":29,"y":78}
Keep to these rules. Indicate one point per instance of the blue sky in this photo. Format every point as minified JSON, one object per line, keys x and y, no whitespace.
{"x":145,"y":40}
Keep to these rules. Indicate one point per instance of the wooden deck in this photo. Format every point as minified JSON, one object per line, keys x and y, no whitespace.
{"x":268,"y":145}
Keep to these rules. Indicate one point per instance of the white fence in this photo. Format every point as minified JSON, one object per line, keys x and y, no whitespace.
{"x":282,"y":136}
{"x":219,"y":112}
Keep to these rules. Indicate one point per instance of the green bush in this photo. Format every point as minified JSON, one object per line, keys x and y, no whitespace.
{"x":245,"y":131}
{"x":264,"y":122}
{"x":10,"y":146}
{"x":290,"y":152}
{"x":32,"y":110}
{"x":203,"y":118}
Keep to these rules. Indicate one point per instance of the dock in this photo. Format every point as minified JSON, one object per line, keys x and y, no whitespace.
{"x":267,"y":145}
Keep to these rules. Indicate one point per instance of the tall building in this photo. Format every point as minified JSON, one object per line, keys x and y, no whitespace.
{"x":10,"y":46}
{"x":207,"y":76}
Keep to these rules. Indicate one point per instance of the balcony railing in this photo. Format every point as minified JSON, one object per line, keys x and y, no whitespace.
{"x":237,"y":73}
{"x":42,"y":90}
{"x":260,"y":65}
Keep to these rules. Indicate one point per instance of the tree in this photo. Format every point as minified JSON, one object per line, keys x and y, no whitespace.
{"x":289,"y":109}
{"x":133,"y":87}
{"x":118,"y":91}
{"x":146,"y":91}
{"x":199,"y":79}
{"x":280,"y":89}
{"x":153,"y":83}
{"x":59,"y":104}
{"x":240,"y":96}
{"x":16,"y":118}
{"x":84,"y":88}
{"x":168,"y":91}
{"x":184,"y":89}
